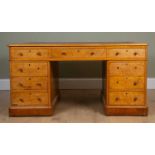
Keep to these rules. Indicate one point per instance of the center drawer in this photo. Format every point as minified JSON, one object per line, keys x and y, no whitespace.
{"x":29,"y":83}
{"x":77,"y":52}
{"x":29,"y":99}
{"x":29,"y":69}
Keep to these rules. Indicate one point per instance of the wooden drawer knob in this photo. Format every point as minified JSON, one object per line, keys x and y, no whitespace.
{"x":20,"y":84}
{"x":135,"y":99}
{"x":116,"y":99}
{"x":39,"y":54}
{"x":135,"y":53}
{"x":135,"y":83}
{"x":92,"y":53}
{"x":63,"y":53}
{"x":20,"y":70}
{"x":117,"y":53}
{"x":38,"y":84}
{"x":20,"y":54}
{"x":21,"y":100}
{"x":39,"y":99}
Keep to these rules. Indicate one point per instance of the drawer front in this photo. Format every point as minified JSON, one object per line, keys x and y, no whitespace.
{"x":126,"y":83}
{"x":61,"y":53}
{"x":77,"y":52}
{"x":29,"y":69}
{"x":29,"y":99}
{"x":29,"y":53}
{"x":126,"y":99}
{"x":126,"y":53}
{"x":126,"y":68}
{"x":29,"y":83}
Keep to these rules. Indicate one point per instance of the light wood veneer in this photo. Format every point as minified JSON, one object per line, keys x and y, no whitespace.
{"x":34,"y":75}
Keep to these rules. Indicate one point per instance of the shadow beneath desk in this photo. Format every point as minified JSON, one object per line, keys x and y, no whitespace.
{"x":79,"y":101}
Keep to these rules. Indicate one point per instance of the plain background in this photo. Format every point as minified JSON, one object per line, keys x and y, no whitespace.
{"x":87,"y":69}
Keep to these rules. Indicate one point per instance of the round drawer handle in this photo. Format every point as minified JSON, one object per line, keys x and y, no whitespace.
{"x":116,"y":99}
{"x":20,"y":84}
{"x":39,"y":99}
{"x":39,"y":84}
{"x":135,"y":83}
{"x":39,"y":54}
{"x":117,"y":53}
{"x":63,"y":53}
{"x":135,"y":99}
{"x":21,"y":70}
{"x":21,"y":100}
{"x":92,"y":53}
{"x":20,"y":54}
{"x":117,"y":67}
{"x":135,"y":53}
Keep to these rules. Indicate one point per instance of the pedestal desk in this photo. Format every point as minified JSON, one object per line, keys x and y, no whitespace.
{"x":34,"y":75}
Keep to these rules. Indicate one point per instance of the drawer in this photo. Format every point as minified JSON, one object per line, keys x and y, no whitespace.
{"x":126,"y":99}
{"x":77,"y":52}
{"x":29,"y":69}
{"x":126,"y":53}
{"x":126,"y":83}
{"x":126,"y":68}
{"x":23,"y":53}
{"x":29,"y":99}
{"x":29,"y":83}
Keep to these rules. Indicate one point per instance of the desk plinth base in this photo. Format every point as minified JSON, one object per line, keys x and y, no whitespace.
{"x":117,"y":111}
{"x":30,"y":111}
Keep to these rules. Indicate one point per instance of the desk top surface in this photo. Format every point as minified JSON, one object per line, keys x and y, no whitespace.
{"x":76,"y":44}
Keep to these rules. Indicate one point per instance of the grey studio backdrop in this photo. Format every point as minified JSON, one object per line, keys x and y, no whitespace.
{"x":75,"y":70}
